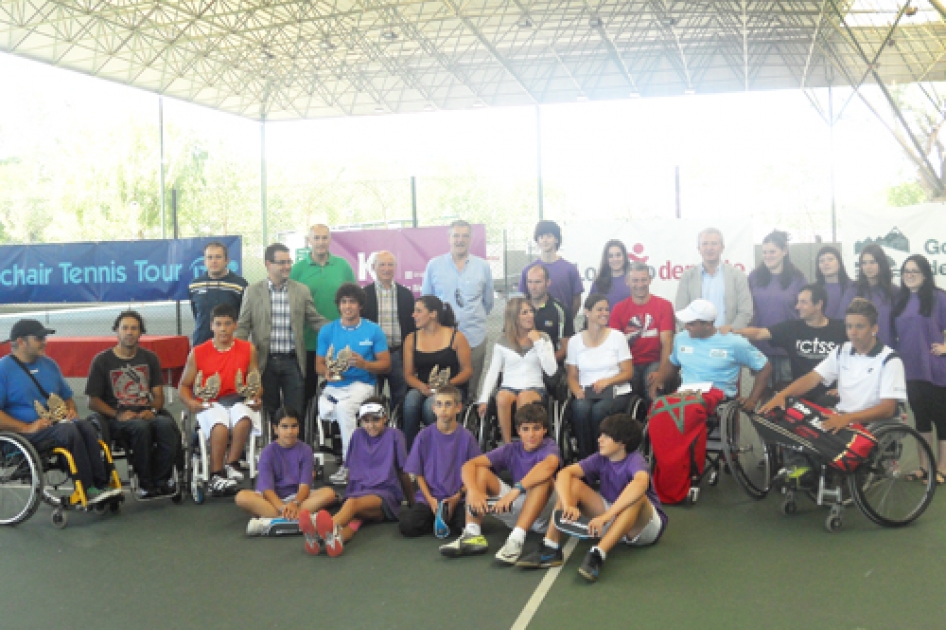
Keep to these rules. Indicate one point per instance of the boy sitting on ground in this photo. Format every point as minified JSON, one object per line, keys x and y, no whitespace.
{"x":627,"y":508}
{"x":532,"y":462}
{"x":282,"y":487}
{"x":376,"y":484}
{"x":439,"y":452}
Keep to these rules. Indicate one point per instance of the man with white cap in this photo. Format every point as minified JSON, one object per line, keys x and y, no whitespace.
{"x":702,"y":354}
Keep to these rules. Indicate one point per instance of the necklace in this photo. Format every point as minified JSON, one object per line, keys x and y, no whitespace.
{"x":227,"y":349}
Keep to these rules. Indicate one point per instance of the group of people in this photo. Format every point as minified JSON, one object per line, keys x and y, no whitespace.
{"x":861,"y":346}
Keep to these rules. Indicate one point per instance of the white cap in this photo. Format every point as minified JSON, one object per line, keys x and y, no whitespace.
{"x":698,"y":310}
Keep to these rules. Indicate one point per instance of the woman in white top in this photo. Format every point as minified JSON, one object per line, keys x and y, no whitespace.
{"x":521,"y":355}
{"x":599,"y":373}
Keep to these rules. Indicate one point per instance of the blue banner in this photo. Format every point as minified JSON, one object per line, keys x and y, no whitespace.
{"x":107,"y":271}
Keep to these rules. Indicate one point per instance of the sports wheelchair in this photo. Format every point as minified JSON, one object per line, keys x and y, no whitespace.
{"x":486,"y":429}
{"x":29,"y":475}
{"x":196,"y":451}
{"x":878,"y":486}
{"x":563,"y":423}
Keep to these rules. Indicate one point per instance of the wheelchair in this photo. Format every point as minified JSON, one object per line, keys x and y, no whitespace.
{"x":29,"y":475}
{"x":196,"y":450}
{"x":878,"y":486}
{"x":486,"y":429}
{"x":563,"y":424}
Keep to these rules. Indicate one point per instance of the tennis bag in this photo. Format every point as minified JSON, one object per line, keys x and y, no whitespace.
{"x":798,"y":427}
{"x":676,"y":427}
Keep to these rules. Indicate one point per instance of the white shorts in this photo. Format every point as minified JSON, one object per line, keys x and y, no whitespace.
{"x":647,"y":536}
{"x":541,"y":522}
{"x":228,"y":417}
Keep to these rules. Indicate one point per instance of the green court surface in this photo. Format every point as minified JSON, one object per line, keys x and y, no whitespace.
{"x":727,"y":562}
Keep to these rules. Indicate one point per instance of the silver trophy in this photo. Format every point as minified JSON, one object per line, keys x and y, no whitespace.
{"x":250,"y":389}
{"x":338,"y":364}
{"x":206,"y":390}
{"x":57,"y":409}
{"x":438,"y":378}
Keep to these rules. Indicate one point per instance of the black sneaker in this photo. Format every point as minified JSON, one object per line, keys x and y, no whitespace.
{"x":591,"y":566}
{"x":166,"y":488}
{"x":542,"y":557}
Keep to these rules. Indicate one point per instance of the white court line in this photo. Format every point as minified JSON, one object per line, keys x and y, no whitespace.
{"x":543,"y":588}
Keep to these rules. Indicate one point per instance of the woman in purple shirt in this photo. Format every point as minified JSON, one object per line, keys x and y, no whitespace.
{"x":919,"y":319}
{"x":832,"y":275}
{"x":774,"y":285}
{"x":612,"y":273}
{"x":875,"y":284}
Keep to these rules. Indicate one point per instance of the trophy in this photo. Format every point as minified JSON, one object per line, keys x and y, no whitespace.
{"x":438,"y":378}
{"x":337,"y":365}
{"x":208,"y":389}
{"x":251,"y":388}
{"x":57,"y":409}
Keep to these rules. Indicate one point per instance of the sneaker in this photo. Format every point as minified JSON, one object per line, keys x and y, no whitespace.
{"x":543,"y":557}
{"x":441,"y":526}
{"x":166,"y":488}
{"x":313,"y":542}
{"x":330,"y":533}
{"x":233,"y":473}
{"x":466,"y":545}
{"x":340,"y":478}
{"x":591,"y":566}
{"x":95,"y":495}
{"x":510,"y":552}
{"x":797,"y":472}
{"x":221,"y":486}
{"x":256,"y":527}
{"x":144,"y":494}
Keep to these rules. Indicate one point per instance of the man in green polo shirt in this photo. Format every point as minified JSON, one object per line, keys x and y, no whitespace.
{"x":323,"y":273}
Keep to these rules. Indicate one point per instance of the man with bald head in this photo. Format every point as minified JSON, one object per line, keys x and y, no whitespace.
{"x":391,"y":306}
{"x":323,"y":273}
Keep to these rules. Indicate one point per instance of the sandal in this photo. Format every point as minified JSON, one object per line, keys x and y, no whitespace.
{"x":919,"y":474}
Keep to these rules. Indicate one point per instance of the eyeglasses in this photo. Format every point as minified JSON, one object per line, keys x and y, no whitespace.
{"x":282,"y":263}
{"x":912,"y":272}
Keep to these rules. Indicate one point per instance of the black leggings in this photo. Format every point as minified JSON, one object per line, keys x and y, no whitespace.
{"x":928,"y":402}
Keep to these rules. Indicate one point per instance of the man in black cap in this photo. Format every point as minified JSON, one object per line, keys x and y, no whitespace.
{"x":27,"y":376}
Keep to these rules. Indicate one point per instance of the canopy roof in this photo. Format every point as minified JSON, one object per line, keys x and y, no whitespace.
{"x":285,"y":59}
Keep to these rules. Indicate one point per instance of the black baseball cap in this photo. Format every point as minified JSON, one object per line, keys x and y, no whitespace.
{"x":28,"y":327}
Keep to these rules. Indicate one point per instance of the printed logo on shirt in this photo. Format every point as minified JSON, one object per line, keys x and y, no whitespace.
{"x":814,"y":348}
{"x":130,"y":385}
{"x":719,"y":353}
{"x":636,"y":329}
{"x":686,"y":350}
{"x":365,"y":342}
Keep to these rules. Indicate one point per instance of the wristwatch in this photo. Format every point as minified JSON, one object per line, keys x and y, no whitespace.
{"x":520,"y":487}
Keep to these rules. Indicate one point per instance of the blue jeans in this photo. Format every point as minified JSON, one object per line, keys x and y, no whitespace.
{"x":418,"y":409}
{"x":396,"y":383}
{"x":587,"y":416}
{"x":282,"y":376}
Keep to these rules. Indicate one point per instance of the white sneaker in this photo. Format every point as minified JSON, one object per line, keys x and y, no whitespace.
{"x":233,"y":473}
{"x":257,"y":526}
{"x":510,"y":552}
{"x":221,"y":486}
{"x":340,"y":478}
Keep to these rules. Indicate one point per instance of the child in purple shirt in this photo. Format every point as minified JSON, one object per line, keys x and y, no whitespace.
{"x":436,"y":459}
{"x":532,"y":462}
{"x":376,"y":484}
{"x":626,"y":509}
{"x":282,"y":488}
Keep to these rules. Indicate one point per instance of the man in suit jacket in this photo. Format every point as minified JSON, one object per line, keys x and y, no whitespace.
{"x":275,"y":312}
{"x":722,"y":284}
{"x":391,"y":306}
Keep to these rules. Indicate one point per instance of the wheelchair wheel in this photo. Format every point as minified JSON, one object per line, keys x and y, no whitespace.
{"x":745,"y":452}
{"x":394,"y":418}
{"x":879,"y":485}
{"x":638,"y":408}
{"x":59,"y":518}
{"x":566,"y":438}
{"x":21,"y":479}
{"x":471,"y":421}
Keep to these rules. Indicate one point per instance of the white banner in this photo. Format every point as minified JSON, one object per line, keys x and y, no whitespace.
{"x":668,"y":247}
{"x":901,"y":232}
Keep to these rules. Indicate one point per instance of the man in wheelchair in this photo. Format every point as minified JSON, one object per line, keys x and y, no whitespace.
{"x":30,"y":383}
{"x":126,"y":388}
{"x":869,"y":375}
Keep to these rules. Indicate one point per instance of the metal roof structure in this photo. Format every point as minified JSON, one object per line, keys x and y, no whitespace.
{"x":291,"y":59}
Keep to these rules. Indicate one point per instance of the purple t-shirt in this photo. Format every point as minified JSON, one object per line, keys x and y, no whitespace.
{"x":618,"y":293}
{"x":518,"y":461}
{"x":615,"y":476}
{"x":838,"y":301}
{"x":565,"y":281}
{"x":884,"y":305}
{"x":773,"y":305}
{"x":438,"y":458}
{"x":916,"y":334}
{"x":374,"y":465}
{"x":283,"y":470}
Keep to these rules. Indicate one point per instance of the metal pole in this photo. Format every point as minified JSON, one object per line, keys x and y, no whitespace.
{"x":414,"y":200}
{"x":831,"y":121}
{"x":676,"y":187}
{"x":177,"y":305}
{"x":262,"y":176}
{"x":164,"y":228}
{"x":505,"y":267}
{"x":538,"y":161}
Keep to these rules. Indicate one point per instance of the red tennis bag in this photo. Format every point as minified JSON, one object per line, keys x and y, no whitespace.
{"x":676,"y":427}
{"x":799,"y":427}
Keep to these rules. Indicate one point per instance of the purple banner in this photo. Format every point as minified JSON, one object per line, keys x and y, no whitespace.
{"x":413,"y":247}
